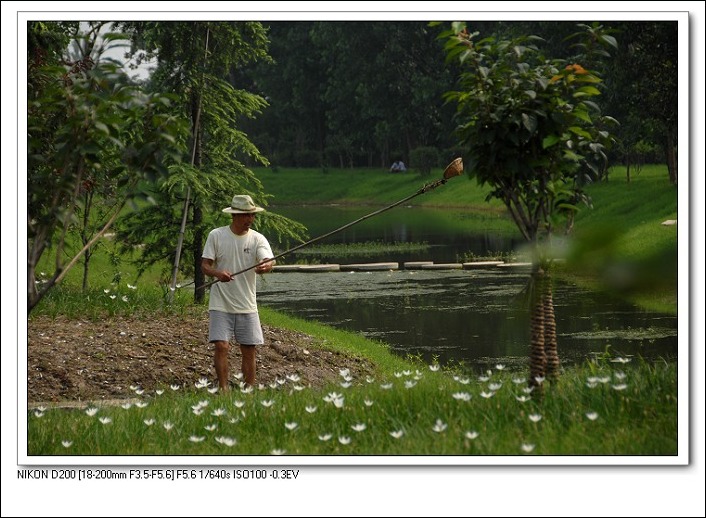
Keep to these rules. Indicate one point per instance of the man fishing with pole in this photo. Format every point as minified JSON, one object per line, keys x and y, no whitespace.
{"x":232,"y":304}
{"x":236,"y":250}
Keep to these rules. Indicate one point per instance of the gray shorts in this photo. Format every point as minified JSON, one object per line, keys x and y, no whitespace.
{"x":245,"y":327}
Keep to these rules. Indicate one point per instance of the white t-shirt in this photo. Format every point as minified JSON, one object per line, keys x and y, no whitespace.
{"x":234,"y":253}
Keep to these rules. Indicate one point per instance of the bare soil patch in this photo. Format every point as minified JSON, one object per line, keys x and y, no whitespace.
{"x":84,"y":360}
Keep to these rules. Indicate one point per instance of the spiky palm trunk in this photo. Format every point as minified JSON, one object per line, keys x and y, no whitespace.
{"x":538,"y":357}
{"x":550,"y":345}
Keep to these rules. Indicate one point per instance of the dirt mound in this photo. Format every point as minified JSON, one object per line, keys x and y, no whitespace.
{"x":73,"y":359}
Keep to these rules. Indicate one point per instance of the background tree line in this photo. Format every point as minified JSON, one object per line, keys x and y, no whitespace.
{"x":362,"y":94}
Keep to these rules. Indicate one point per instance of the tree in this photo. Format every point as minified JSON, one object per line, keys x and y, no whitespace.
{"x":196,"y":61}
{"x":534,"y":134}
{"x":86,"y":122}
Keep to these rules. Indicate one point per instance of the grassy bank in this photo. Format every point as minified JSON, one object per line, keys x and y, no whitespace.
{"x":605,"y":407}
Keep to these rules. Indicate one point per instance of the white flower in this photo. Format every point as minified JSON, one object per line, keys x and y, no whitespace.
{"x":139,"y":391}
{"x":622,"y":386}
{"x":66,"y":444}
{"x":592,"y":415}
{"x":359,"y":427}
{"x":409,"y":384}
{"x":527,"y":447}
{"x":332,"y":396}
{"x":195,"y":438}
{"x":91,"y":411}
{"x":149,"y":422}
{"x":124,"y":298}
{"x":105,"y":420}
{"x":344,"y":372}
{"x":535,"y":418}
{"x":522,"y":399}
{"x":247,"y":390}
{"x":218,"y":412}
{"x":267,"y":403}
{"x":439,"y":426}
{"x":290,"y":426}
{"x":126,"y":406}
{"x":202,"y":383}
{"x":620,"y":375}
{"x":621,"y":360}
{"x":471,"y":435}
{"x":591,"y":385}
{"x":113,"y":297}
{"x":141,"y":404}
{"x":298,"y":388}
{"x":106,"y":290}
{"x":197,"y":411}
{"x":539,"y":379}
{"x":344,"y":440}
{"x":483,"y":379}
{"x":325,"y":437}
{"x":293,"y":378}
{"x":369,"y":379}
{"x":432,"y":368}
{"x":159,"y":392}
{"x":500,"y":366}
{"x":462,"y":396}
{"x":367,"y":402}
{"x":397,"y":433}
{"x":210,"y":427}
{"x":278,"y":452}
{"x":345,"y":384}
{"x":174,"y":387}
{"x":238,"y":376}
{"x":464,"y":381}
{"x":310,"y":409}
{"x":519,"y":381}
{"x":280,"y":381}
{"x":238,"y":404}
{"x":495,"y":386}
{"x":338,"y":402}
{"x":213,"y":390}
{"x":398,"y":374}
{"x":131,"y":286}
{"x":386,"y":386}
{"x":168,"y":426}
{"x":38,"y":413}
{"x":228,"y":441}
{"x":406,"y":372}
{"x":41,"y":408}
{"x":487,"y":395}
{"x":527,"y":390}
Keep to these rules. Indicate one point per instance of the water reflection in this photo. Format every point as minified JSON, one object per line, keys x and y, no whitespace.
{"x":472,"y":316}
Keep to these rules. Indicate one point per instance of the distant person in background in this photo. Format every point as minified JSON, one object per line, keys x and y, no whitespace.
{"x":398,"y":167}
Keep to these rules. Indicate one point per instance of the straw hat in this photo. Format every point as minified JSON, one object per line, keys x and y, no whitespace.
{"x":242,"y":204}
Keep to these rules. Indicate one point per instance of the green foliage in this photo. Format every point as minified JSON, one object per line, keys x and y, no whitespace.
{"x":530,"y":126}
{"x":196,"y":61}
{"x":89,"y":130}
{"x":424,"y":158}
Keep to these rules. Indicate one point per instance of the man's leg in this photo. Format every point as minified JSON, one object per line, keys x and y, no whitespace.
{"x":221,"y":364}
{"x":248,"y":366}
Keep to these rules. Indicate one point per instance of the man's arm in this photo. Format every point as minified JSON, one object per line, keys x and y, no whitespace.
{"x":208,"y":269}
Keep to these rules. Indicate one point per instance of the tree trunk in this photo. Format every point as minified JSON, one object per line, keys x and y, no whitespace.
{"x":550,"y":345}
{"x":538,"y":358}
{"x":199,"y":277}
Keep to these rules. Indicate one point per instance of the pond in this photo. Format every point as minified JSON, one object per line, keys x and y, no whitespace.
{"x":475,"y":317}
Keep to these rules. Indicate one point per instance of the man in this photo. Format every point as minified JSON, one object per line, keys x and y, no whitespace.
{"x":232,"y":305}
